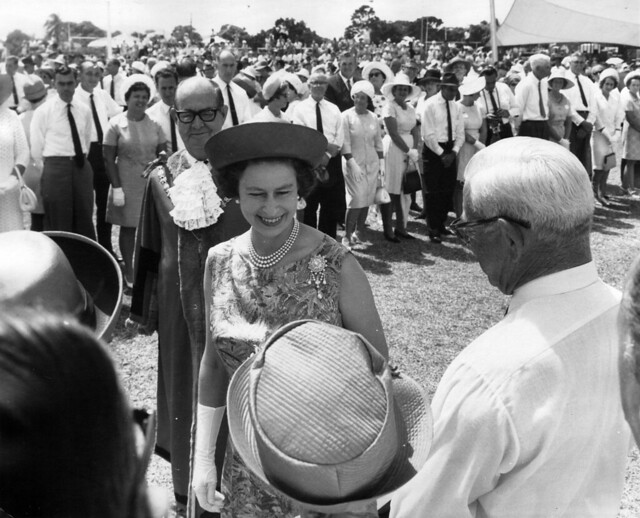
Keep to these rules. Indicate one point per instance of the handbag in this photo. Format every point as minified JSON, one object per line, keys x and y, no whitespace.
{"x":28,"y":200}
{"x":382,"y":195}
{"x":411,"y":181}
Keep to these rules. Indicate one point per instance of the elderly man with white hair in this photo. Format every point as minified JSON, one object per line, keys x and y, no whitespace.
{"x":532,"y":98}
{"x":527,"y":419}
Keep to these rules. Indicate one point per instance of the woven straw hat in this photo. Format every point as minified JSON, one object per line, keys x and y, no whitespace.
{"x":472,"y":85}
{"x":400,"y":80}
{"x":319,"y":415}
{"x":559,"y":73}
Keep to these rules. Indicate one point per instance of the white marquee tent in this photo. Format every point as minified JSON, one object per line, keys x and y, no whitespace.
{"x":529,"y":22}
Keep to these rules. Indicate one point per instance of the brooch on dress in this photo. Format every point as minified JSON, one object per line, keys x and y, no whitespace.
{"x":317,"y":266}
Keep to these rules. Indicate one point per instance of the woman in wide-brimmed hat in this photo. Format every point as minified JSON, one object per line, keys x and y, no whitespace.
{"x":361,"y":429}
{"x":280,"y":270}
{"x":559,"y":108}
{"x":378,"y":74}
{"x":400,"y":149}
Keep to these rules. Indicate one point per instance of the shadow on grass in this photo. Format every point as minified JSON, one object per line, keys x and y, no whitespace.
{"x":611,"y":220}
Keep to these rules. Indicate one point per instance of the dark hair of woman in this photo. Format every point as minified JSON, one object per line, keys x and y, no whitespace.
{"x":137,"y":87}
{"x":67,"y":442}
{"x":230,"y":176}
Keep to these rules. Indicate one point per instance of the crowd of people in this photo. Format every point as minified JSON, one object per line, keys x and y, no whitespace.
{"x":230,"y":184}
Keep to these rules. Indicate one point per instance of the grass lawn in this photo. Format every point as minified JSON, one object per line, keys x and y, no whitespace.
{"x":433,"y":301}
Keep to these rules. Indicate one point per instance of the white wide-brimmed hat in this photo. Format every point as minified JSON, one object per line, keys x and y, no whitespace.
{"x":472,"y":85}
{"x":378,"y":65}
{"x":559,"y":73}
{"x":364,"y":87}
{"x":400,"y":80}
{"x":320,"y":416}
{"x":609,"y":72}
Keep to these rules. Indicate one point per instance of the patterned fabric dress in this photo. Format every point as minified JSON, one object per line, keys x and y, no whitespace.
{"x":247,"y":305}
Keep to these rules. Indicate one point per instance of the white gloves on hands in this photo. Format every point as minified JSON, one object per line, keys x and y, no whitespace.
{"x":478,"y":145}
{"x":564,"y":143}
{"x":354,"y":168}
{"x":205,"y":476}
{"x":118,"y":196}
{"x":413,"y":155}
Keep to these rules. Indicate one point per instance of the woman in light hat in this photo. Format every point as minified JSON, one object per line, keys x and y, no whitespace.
{"x":131,"y":141}
{"x":14,"y":154}
{"x":378,"y":74}
{"x":559,"y":108}
{"x":362,"y":153}
{"x":278,"y":271}
{"x":275,"y":91}
{"x":475,"y":131}
{"x":400,"y":150}
{"x":319,"y":415}
{"x":607,"y":132}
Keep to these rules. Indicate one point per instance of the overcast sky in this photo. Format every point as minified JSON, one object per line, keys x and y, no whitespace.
{"x":327,"y":17}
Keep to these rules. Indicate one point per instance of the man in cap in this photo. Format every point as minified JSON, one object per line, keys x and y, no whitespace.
{"x":499,"y":104}
{"x":532,"y":99}
{"x":442,"y":132}
{"x":339,"y":85}
{"x":527,"y":418}
{"x":166,"y":80}
{"x":171,"y":249}
{"x":584,"y":109}
{"x":60,"y":140}
{"x":102,"y":107}
{"x":318,"y":113}
{"x":235,"y":98}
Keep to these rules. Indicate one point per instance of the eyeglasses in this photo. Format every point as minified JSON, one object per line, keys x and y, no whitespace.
{"x":460,"y":228}
{"x":188,"y":116}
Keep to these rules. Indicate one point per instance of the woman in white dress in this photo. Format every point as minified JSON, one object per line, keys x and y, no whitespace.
{"x":475,"y":131}
{"x":362,"y":153}
{"x":14,"y":153}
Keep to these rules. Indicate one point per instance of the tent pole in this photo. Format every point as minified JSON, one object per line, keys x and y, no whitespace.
{"x":108,"y":30}
{"x":494,"y":39}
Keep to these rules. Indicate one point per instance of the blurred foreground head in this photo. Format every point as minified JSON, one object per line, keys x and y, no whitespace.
{"x":629,"y":323}
{"x":67,"y":441}
{"x":528,"y":206}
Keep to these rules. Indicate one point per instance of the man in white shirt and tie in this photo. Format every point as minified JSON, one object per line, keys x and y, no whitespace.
{"x":499,"y":104}
{"x":166,"y":80}
{"x":584,"y":109}
{"x":318,"y":113}
{"x":235,"y":98}
{"x":339,"y":85}
{"x":102,"y":107}
{"x":60,"y":140}
{"x":532,"y":99}
{"x":114,"y":80}
{"x":17,"y":101}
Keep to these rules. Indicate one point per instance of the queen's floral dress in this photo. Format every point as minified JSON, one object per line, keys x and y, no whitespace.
{"x":247,"y":305}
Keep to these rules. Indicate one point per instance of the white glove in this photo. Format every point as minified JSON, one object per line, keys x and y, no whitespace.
{"x":478,"y":145}
{"x":615,"y":137}
{"x":118,"y":196}
{"x":205,"y":477}
{"x":607,"y":135}
{"x":413,"y":155}
{"x":355,"y":170}
{"x":564,"y":143}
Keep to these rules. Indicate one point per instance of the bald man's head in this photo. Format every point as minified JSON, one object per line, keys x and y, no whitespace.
{"x":226,"y":65}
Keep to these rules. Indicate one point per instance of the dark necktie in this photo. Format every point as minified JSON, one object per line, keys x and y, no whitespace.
{"x":232,"y":106}
{"x":96,"y":119}
{"x":449,"y":128}
{"x":113,"y":87}
{"x":77,"y":147}
{"x":493,"y":101}
{"x":543,"y":112}
{"x":319,"y":118}
{"x":14,"y":91}
{"x":584,"y":97}
{"x":174,"y":142}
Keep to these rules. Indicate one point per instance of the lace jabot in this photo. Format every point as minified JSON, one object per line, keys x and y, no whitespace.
{"x":195,"y":197}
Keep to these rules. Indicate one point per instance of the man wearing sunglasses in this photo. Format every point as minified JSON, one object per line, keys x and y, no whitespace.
{"x":527,"y":419}
{"x":183,"y":215}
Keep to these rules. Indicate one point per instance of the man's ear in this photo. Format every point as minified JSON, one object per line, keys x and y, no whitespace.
{"x":514,"y":236}
{"x":223,"y":110}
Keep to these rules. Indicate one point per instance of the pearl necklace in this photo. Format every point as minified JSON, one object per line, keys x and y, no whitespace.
{"x":267,"y":261}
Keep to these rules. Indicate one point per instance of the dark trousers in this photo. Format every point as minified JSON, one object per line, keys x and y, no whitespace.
{"x":330,"y":198}
{"x":101,"y":185}
{"x":67,"y":196}
{"x":537,"y":129}
{"x":580,"y":146}
{"x":440,"y":183}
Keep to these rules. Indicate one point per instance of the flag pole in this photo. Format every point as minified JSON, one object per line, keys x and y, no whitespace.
{"x":494,"y":39}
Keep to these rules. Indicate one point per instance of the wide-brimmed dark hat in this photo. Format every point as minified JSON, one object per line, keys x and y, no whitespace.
{"x":63,"y":273}
{"x":449,"y":66}
{"x":449,"y":79}
{"x":265,"y":140}
{"x":430,"y":76}
{"x":320,"y":416}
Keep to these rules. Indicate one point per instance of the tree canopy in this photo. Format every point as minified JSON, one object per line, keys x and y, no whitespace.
{"x":15,"y":42}
{"x":181,"y":32}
